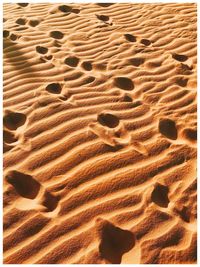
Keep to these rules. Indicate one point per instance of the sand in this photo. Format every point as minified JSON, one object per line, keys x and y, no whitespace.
{"x":100,"y":133}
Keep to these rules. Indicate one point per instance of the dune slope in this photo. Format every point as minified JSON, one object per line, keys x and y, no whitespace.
{"x":100,"y":133}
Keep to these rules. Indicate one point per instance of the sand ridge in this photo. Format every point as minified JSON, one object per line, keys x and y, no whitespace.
{"x":100,"y":133}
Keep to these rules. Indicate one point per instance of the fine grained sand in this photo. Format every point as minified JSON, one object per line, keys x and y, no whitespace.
{"x":100,"y":133}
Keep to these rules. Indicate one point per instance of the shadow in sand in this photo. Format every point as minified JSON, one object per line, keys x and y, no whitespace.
{"x":12,"y":52}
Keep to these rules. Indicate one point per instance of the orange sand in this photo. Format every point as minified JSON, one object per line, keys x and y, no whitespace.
{"x":100,"y":133}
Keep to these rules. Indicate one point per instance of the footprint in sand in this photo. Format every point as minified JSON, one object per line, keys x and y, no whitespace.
{"x":6,"y":34}
{"x":13,"y":120}
{"x":33,"y":22}
{"x":167,"y":127}
{"x":105,"y":19}
{"x":54,"y":88}
{"x":130,"y":37}
{"x":124,"y":83}
{"x":28,"y":188}
{"x":181,"y":81}
{"x":9,"y":140}
{"x":108,"y":120}
{"x":137,"y":61}
{"x":145,"y":42}
{"x":68,"y":9}
{"x":9,"y":137}
{"x":13,"y":37}
{"x":114,"y":241}
{"x":105,"y":4}
{"x":41,"y":49}
{"x":71,"y":61}
{"x":87,"y":65}
{"x":126,"y":98}
{"x":113,"y":133}
{"x":22,"y":4}
{"x":21,"y":21}
{"x":190,"y":134}
{"x":56,"y":34}
{"x":159,"y":195}
{"x":179,"y":57}
{"x":46,"y":58}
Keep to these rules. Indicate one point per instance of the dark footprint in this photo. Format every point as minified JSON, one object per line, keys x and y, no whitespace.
{"x":89,"y":79}
{"x":180,"y":58}
{"x":23,"y":4}
{"x":160,"y":195}
{"x":14,"y":120}
{"x":75,"y":10}
{"x":114,"y":241}
{"x":65,"y":8}
{"x":41,"y":49}
{"x":54,"y":88}
{"x":108,"y":120}
{"x":24,"y":184}
{"x":56,"y":34}
{"x":103,"y":17}
{"x":184,"y":213}
{"x":130,"y":37}
{"x":48,"y":57}
{"x":127,"y":99}
{"x":136,"y":61}
{"x":145,"y":42}
{"x":71,"y":61}
{"x":182,"y":81}
{"x":49,"y":201}
{"x":33,"y":22}
{"x":57,"y":43}
{"x":6,"y":33}
{"x":13,"y":37}
{"x":9,"y":137}
{"x":20,"y":21}
{"x":105,"y":4}
{"x":124,"y":83}
{"x":167,"y":128}
{"x":190,"y":134}
{"x":87,"y":65}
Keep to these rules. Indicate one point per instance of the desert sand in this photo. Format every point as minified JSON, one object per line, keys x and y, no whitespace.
{"x":100,"y":133}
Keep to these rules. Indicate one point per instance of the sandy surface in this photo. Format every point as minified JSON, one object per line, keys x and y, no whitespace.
{"x":100,"y":133}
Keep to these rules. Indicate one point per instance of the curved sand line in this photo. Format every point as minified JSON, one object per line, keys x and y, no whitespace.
{"x":100,"y":133}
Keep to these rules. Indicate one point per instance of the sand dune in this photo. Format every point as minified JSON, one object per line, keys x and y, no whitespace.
{"x":100,"y":133}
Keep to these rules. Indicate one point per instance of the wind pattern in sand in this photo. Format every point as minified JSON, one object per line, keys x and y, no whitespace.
{"x":100,"y":133}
